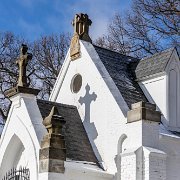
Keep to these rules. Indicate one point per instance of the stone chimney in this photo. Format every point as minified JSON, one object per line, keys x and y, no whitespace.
{"x":53,"y":152}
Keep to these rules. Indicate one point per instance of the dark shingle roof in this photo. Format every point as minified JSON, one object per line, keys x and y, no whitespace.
{"x":153,"y":64}
{"x":78,"y":146}
{"x":120,"y":69}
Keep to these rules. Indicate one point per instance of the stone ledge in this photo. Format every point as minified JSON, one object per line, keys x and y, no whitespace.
{"x":51,"y":165}
{"x":143,"y":111}
{"x":142,"y":104}
{"x":53,"y":150}
{"x":52,"y":153}
{"x":19,"y":89}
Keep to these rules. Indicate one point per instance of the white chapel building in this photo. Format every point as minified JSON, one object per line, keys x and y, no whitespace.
{"x":109,"y":117}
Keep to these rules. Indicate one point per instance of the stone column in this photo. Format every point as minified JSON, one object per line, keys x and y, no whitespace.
{"x":53,"y":152}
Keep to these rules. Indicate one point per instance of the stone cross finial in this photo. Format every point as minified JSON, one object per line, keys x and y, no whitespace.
{"x":22,"y":62}
{"x":81,"y":25}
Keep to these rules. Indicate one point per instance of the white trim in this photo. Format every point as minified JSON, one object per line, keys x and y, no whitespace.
{"x":87,"y":168}
{"x":60,"y":78}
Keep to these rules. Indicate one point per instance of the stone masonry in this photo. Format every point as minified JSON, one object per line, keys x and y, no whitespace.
{"x":53,"y":152}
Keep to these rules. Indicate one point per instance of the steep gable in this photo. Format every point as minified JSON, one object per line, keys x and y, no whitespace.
{"x":158,"y":76}
{"x":78,"y":147}
{"x":120,"y":70}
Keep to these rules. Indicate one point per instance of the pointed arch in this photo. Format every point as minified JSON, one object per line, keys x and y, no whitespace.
{"x":19,"y":149}
{"x":12,"y":154}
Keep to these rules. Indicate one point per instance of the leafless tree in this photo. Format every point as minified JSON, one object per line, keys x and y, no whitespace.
{"x":9,"y":51}
{"x":162,"y":16}
{"x":116,"y":38}
{"x":42,"y":71}
{"x":48,"y":55}
{"x":148,"y":27}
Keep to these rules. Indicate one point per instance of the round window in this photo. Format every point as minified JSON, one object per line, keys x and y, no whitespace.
{"x":76,"y":83}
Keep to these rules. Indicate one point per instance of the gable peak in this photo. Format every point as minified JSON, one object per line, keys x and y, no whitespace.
{"x":81,"y":25}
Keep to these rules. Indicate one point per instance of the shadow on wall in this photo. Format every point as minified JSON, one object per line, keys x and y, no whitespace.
{"x":87,"y":100}
{"x":89,"y":126}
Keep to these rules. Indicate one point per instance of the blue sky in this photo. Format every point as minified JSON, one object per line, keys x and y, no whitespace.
{"x":33,"y":18}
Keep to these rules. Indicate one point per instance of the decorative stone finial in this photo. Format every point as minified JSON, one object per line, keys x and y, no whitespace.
{"x":81,"y":25}
{"x":53,"y":122}
{"x":22,"y":85}
{"x":53,"y":152}
{"x":22,"y":62}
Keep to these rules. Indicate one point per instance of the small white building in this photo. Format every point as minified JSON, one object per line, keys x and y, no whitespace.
{"x":109,"y":117}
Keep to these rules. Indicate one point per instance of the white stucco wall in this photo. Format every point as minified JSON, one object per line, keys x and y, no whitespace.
{"x":20,"y":144}
{"x":173,"y":92}
{"x":102,"y":118}
{"x":78,"y":171}
{"x":155,"y":90}
{"x":163,"y":89}
{"x":154,"y":164}
{"x":21,"y":137}
{"x":170,"y":144}
{"x":106,"y":119}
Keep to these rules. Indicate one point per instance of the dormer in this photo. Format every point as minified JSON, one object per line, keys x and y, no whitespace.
{"x":159,"y":78}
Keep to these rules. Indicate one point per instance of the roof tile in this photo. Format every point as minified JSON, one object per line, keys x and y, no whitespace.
{"x":123,"y":74}
{"x":78,"y":146}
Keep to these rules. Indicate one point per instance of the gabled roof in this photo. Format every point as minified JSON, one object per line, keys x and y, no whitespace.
{"x":122,"y":72}
{"x":78,"y":147}
{"x":154,"y":64}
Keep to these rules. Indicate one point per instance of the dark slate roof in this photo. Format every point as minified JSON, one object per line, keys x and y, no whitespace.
{"x":122,"y":72}
{"x":78,"y":146}
{"x":153,"y":64}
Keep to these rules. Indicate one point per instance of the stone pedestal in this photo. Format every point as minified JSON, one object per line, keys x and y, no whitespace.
{"x":53,"y":152}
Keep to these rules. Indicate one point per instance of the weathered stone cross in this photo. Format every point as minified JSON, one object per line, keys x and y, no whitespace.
{"x":22,"y":62}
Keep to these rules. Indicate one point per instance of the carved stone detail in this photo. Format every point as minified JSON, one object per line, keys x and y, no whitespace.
{"x":19,"y":89}
{"x":143,"y":111}
{"x":81,"y":25}
{"x":75,"y":47}
{"x":22,"y":85}
{"x":22,"y":62}
{"x":53,"y":152}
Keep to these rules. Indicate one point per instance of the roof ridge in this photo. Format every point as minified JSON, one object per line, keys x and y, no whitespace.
{"x":56,"y":103}
{"x":115,"y":52}
{"x":157,"y":53}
